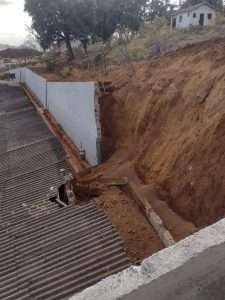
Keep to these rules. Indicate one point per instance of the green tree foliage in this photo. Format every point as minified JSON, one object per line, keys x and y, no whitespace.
{"x":217,"y":4}
{"x":158,"y":9}
{"x":48,"y":22}
{"x":110,"y":14}
{"x":131,"y":13}
{"x":56,"y":21}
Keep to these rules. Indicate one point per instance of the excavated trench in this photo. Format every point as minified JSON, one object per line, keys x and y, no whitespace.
{"x":163,"y":129}
{"x":140,"y":239}
{"x":175,"y":118}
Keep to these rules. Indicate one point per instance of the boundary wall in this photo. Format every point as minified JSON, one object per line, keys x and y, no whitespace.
{"x":192,"y":269}
{"x":75,"y":107}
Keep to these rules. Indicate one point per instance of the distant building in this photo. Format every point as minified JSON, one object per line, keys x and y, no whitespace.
{"x":201,"y":14}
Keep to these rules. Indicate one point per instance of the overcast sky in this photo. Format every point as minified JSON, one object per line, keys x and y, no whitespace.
{"x":13,"y":22}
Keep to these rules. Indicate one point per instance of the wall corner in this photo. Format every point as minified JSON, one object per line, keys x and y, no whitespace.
{"x":98,"y":122}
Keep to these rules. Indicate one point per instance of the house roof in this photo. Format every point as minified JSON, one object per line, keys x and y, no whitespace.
{"x":47,"y":252}
{"x":192,"y":8}
{"x":19,"y":53}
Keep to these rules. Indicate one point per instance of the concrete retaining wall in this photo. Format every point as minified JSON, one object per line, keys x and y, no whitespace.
{"x":18,"y":72}
{"x":36,"y":84}
{"x":75,"y":107}
{"x":193,"y":269}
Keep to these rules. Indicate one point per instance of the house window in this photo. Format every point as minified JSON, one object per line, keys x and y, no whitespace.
{"x":209,"y":16}
{"x":194,"y":15}
{"x":180,"y":19}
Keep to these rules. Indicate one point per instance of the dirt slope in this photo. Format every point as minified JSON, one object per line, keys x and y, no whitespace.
{"x":169,"y":123}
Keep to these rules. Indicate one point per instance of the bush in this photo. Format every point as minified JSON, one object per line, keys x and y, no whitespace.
{"x":66,"y":72}
{"x":51,"y":61}
{"x":138,"y":54}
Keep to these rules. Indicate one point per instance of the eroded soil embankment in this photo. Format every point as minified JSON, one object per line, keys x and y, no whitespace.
{"x":168,"y":121}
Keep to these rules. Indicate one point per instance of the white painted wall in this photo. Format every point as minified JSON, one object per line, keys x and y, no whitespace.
{"x":18,"y":72}
{"x":188,"y":19}
{"x":193,"y":269}
{"x":73,"y":106}
{"x":36,"y":84}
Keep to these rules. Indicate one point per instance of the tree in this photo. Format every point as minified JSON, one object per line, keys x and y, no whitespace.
{"x":81,"y":21}
{"x":158,"y":9}
{"x":51,"y":20}
{"x":217,"y":4}
{"x":131,"y":13}
{"x":30,"y":42}
{"x":111,"y":14}
{"x":56,"y":21}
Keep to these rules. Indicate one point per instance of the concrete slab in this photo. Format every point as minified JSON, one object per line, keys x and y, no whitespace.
{"x":191,"y":269}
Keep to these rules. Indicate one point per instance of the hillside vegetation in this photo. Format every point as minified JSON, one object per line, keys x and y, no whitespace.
{"x":158,"y":38}
{"x":153,"y":40}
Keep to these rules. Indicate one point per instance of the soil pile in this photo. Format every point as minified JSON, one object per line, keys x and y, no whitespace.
{"x":168,"y":121}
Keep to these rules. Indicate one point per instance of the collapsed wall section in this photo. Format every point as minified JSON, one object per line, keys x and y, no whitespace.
{"x":74,"y":105}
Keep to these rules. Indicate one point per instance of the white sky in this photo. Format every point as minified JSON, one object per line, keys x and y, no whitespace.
{"x":13,"y":22}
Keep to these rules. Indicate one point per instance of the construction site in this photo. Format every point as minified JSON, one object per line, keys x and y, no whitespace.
{"x":115,"y":174}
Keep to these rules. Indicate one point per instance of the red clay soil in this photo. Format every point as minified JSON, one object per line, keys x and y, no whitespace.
{"x":169,"y":121}
{"x":168,"y":125}
{"x":140,"y":239}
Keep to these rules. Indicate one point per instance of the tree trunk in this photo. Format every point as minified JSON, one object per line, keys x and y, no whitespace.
{"x":85,"y":47}
{"x":104,"y":58}
{"x":69,"y":48}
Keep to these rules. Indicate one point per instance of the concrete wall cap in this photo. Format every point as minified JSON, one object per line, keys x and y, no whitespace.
{"x":167,"y":260}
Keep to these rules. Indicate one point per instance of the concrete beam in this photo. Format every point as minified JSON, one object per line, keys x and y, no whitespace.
{"x":152,"y":217}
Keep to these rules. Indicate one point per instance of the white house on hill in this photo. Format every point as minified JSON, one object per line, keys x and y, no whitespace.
{"x":201,"y":14}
